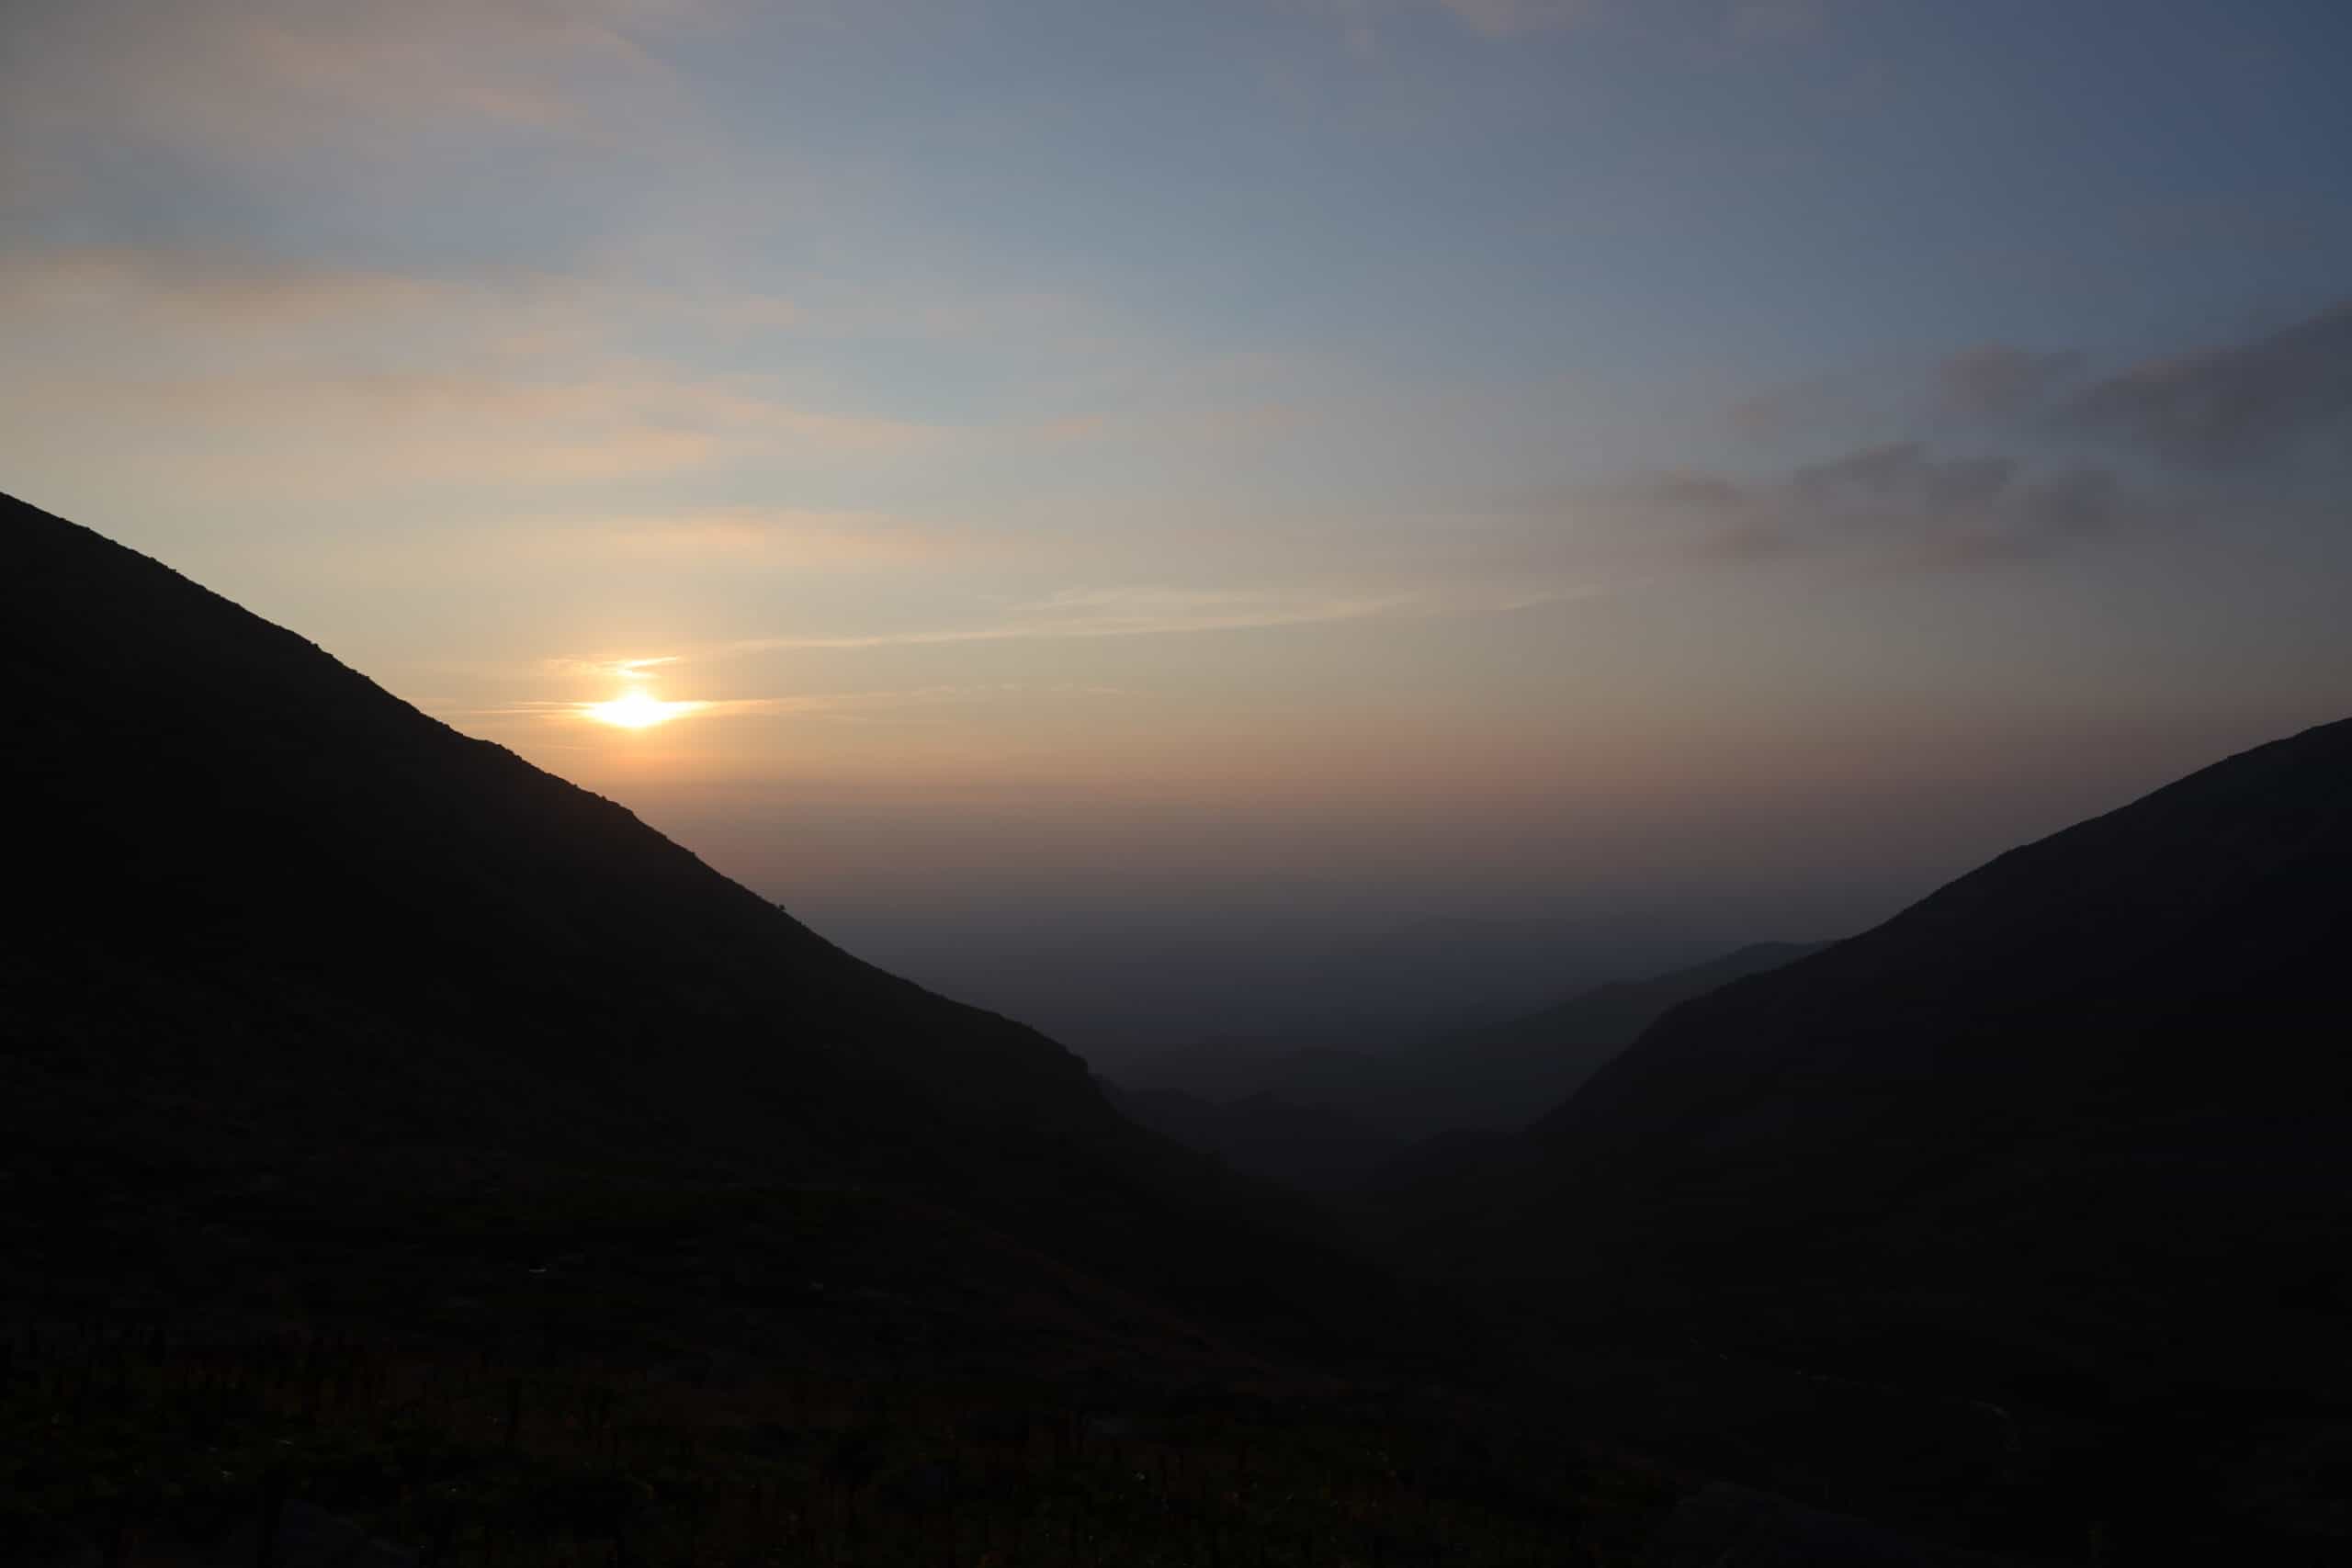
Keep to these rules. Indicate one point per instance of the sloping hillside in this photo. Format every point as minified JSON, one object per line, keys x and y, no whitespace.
{"x":2109,"y":1064}
{"x":306,"y":966}
{"x":2026,"y":1216}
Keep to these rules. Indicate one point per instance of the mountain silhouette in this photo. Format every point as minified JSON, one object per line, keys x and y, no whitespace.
{"x":2022,"y":1216}
{"x":301,"y":964}
{"x":2108,"y":1066}
{"x":2033,"y":1203}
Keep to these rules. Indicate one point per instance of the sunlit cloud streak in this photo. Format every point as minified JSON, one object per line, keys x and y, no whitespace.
{"x":638,"y":709}
{"x":298,"y":433}
{"x":1153,"y":612}
{"x":802,"y":539}
{"x":618,"y":669}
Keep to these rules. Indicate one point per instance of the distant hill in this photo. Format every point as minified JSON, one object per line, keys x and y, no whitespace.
{"x":1302,"y":1146}
{"x":1339,"y":1109}
{"x":311,"y":982}
{"x":1127,"y":983}
{"x":1324,"y":1076}
{"x":1510,"y":1074}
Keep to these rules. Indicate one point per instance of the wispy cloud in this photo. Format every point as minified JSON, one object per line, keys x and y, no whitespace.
{"x":1794,"y":409}
{"x":231,"y":292}
{"x":235,"y":291}
{"x":615,"y":668}
{"x":1126,"y":611}
{"x":749,"y":535}
{"x":1509,"y":18}
{"x":1245,"y":425}
{"x":2234,"y":407}
{"x":1900,"y":502}
{"x":2229,"y":408}
{"x":301,"y":432}
{"x":1774,"y":19}
{"x":1362,"y":23}
{"x":899,"y":706}
{"x":2238,"y":414}
{"x":1998,"y":381}
{"x":281,"y":81}
{"x":300,"y":375}
{"x":1991,"y":383}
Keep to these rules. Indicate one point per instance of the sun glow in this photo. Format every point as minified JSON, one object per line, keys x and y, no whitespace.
{"x":636,"y":710}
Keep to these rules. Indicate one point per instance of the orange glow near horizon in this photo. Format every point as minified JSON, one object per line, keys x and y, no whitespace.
{"x":635,"y":710}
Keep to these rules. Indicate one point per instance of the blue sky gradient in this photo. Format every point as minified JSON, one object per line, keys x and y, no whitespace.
{"x":1322,"y":463}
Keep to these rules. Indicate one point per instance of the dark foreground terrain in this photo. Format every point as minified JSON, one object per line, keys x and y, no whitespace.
{"x":130,"y":1444}
{"x":412,"y":1158}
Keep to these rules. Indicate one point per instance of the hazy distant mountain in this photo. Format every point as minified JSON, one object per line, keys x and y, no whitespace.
{"x":1509,"y":1074}
{"x":301,"y":966}
{"x":1127,"y":986}
{"x":1343,"y":1103}
{"x":1433,"y":977}
{"x":1221,"y":1070}
{"x":1302,"y":1146}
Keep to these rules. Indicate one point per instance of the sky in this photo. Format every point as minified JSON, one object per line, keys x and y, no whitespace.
{"x":1146,"y":516}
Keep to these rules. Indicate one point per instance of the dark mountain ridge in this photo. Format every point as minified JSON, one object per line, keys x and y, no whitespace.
{"x":2104,"y":1055}
{"x":2036,"y":1199}
{"x":291,"y":935}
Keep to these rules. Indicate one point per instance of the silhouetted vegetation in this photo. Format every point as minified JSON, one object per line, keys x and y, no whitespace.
{"x":135,"y":1439}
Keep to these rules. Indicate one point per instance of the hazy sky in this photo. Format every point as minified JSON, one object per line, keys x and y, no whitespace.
{"x":1239,"y":471}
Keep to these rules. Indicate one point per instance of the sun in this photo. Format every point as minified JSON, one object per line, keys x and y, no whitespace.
{"x":635,"y":710}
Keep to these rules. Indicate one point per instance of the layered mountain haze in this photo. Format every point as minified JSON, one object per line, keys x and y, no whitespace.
{"x":291,"y":937}
{"x":1328,"y":1118}
{"x":1488,"y":1077}
{"x":1302,"y":1145}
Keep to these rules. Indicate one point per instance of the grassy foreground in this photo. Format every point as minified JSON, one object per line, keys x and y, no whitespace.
{"x":132,"y":1443}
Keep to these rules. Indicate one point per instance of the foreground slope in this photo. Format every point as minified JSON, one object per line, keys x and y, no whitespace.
{"x":2025,"y":1218}
{"x":2096,"y":1092}
{"x":304,"y":959}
